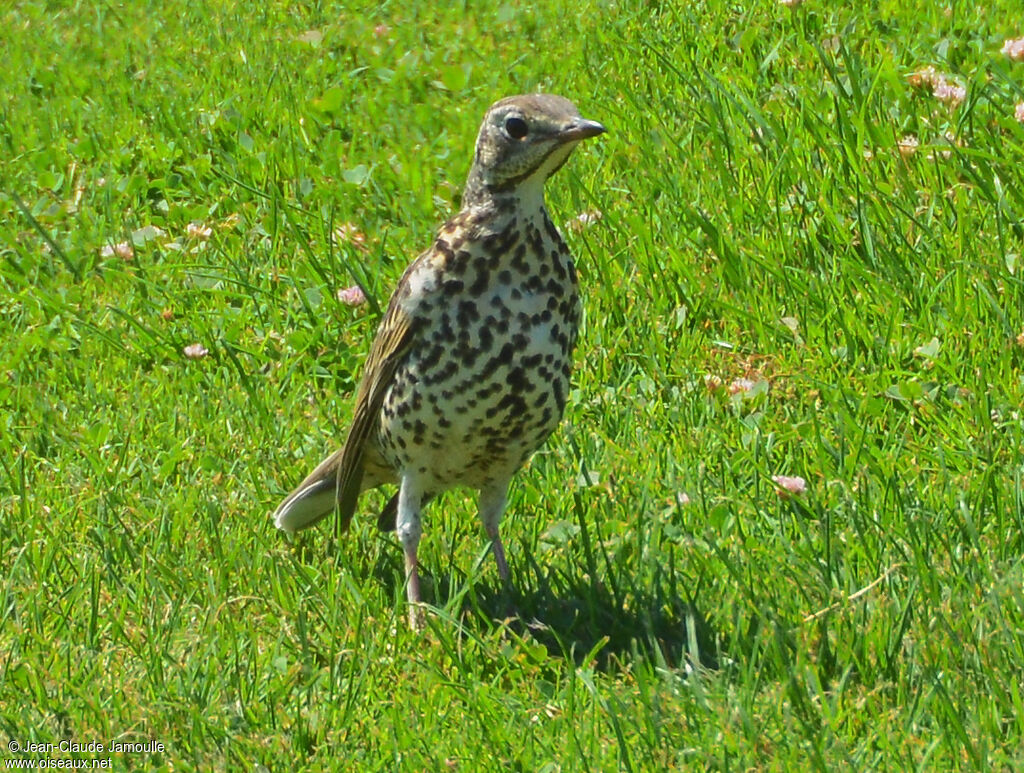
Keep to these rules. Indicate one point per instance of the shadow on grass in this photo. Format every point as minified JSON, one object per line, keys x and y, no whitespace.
{"x":570,"y":615}
{"x":587,"y":623}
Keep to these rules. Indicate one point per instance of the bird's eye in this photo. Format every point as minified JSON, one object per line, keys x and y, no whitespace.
{"x":515,"y":127}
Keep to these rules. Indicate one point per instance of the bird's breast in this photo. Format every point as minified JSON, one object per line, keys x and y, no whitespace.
{"x":487,"y":380}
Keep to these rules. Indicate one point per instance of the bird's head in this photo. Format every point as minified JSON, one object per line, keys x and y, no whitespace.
{"x":523,"y":141}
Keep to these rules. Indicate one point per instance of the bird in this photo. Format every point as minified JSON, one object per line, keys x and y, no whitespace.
{"x":469,"y":371}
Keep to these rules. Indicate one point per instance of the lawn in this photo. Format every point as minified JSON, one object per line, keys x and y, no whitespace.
{"x":800,"y":251}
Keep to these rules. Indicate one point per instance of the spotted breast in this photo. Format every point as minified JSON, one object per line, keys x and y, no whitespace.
{"x":496,"y":304}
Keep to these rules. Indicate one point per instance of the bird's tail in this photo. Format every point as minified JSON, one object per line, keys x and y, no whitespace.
{"x":313,"y":499}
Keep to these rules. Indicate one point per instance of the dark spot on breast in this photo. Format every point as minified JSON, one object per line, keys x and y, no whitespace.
{"x":431,"y":358}
{"x":491,"y":389}
{"x":467,"y":313}
{"x":452,"y":287}
{"x":518,"y":262}
{"x":480,"y":283}
{"x":556,"y":289}
{"x":536,"y":241}
{"x":510,"y":402}
{"x":486,"y":337}
{"x":504,"y":357}
{"x":449,"y":369}
{"x":518,"y":382}
{"x":553,"y":232}
{"x":461,"y":261}
{"x":558,"y":262}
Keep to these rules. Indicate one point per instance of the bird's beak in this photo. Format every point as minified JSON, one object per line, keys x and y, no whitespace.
{"x":580,"y":129}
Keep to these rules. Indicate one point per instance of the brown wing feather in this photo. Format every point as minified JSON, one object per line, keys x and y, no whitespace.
{"x":389,"y":348}
{"x":336,"y":482}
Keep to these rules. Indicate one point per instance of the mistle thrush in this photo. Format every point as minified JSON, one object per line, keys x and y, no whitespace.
{"x":469,"y":371}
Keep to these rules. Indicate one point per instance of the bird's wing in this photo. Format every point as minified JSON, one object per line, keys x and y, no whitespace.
{"x":389,"y":348}
{"x":336,"y":482}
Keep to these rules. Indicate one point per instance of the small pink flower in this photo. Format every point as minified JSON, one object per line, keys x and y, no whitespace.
{"x":381,"y":30}
{"x":741,"y":386}
{"x":1018,"y":112}
{"x":926,"y":77}
{"x":585,"y":219}
{"x":195,"y":351}
{"x":790,"y":3}
{"x":908,"y":145}
{"x":943,"y":87}
{"x":349,"y":233}
{"x":949,"y":92}
{"x":1014,"y":48}
{"x":198,"y":231}
{"x":789,"y":485}
{"x":123,"y":250}
{"x":682,"y":498}
{"x":352,"y":296}
{"x":712,"y":383}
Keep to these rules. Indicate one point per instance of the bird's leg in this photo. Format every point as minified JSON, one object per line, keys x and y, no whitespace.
{"x":492,"y":506}
{"x":409,"y":529}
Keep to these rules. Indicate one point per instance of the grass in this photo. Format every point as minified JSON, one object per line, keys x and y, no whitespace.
{"x":773,"y":289}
